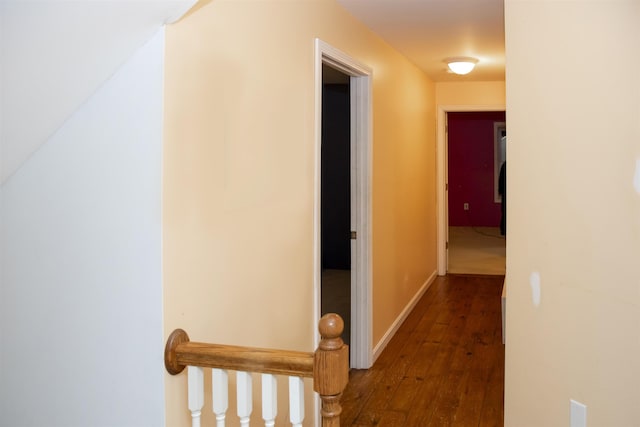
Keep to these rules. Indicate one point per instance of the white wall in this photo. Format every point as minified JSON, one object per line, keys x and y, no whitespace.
{"x":56,"y":53}
{"x":573,"y":301}
{"x":81,"y":295}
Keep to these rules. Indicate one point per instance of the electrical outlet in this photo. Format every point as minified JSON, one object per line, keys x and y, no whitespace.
{"x":578,"y":414}
{"x":466,"y":206}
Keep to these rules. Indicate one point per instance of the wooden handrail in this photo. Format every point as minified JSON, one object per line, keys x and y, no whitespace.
{"x":328,"y":365}
{"x":248,"y":359}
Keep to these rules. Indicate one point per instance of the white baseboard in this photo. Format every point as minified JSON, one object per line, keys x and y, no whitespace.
{"x":382,"y":344}
{"x":504,"y":310}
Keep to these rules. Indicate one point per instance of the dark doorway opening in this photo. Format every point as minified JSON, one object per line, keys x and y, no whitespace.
{"x":335,"y":197}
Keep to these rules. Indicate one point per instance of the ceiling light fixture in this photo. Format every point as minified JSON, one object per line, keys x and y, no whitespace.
{"x":461,"y":65}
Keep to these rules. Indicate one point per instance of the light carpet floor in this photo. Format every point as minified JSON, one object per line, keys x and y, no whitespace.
{"x":336,"y":297}
{"x":476,"y":250}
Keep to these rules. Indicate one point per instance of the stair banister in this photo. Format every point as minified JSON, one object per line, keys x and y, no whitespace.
{"x":328,"y":365}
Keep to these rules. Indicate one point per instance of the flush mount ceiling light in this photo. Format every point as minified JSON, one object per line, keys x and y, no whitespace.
{"x":461,"y":65}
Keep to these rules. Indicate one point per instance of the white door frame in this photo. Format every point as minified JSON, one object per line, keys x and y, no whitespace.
{"x":443,"y":177}
{"x":361,"y":350}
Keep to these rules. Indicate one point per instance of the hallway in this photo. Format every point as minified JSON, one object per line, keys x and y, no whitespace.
{"x":444,"y":366}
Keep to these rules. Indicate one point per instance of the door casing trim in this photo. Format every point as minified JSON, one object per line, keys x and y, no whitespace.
{"x":442,"y":177}
{"x":361,"y":351}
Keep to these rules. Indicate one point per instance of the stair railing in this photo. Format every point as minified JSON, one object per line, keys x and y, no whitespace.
{"x":328,"y":366}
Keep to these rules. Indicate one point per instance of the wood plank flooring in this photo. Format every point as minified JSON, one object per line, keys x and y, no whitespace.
{"x":444,"y":366}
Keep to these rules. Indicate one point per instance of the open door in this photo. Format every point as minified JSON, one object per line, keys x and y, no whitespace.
{"x":443,"y":176}
{"x":359,"y":185}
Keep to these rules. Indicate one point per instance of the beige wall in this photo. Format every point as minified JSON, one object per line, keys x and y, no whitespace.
{"x":573,"y":100}
{"x":470,"y":93}
{"x":239,"y":175}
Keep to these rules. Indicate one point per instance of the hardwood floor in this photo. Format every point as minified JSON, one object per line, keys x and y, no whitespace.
{"x":444,"y":366}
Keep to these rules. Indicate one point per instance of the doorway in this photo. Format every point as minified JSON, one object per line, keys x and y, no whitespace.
{"x":335,"y":197}
{"x":359,"y":193}
{"x":468,"y":218}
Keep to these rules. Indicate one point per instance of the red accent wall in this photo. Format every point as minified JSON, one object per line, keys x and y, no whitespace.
{"x":471,"y":178}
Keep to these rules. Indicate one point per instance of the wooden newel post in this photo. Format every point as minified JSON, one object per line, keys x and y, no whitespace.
{"x":331,"y":368}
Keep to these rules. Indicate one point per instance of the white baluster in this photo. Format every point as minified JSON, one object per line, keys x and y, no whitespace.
{"x":245,"y":399}
{"x":195,"y":384}
{"x":296,"y":401}
{"x":220,"y":386}
{"x":269,"y":399}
